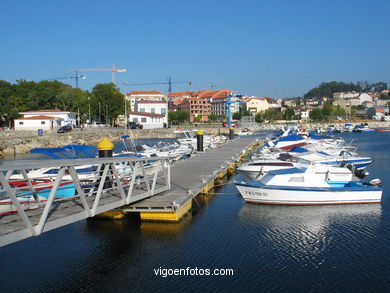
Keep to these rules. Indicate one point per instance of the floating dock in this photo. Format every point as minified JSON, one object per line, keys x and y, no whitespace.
{"x":191,"y":177}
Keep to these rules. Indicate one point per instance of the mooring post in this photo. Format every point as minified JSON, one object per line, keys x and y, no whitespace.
{"x":199,"y":140}
{"x":231,"y":132}
{"x":105,"y":147}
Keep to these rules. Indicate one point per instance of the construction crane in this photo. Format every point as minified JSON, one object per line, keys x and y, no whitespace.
{"x":113,"y":70}
{"x":169,"y":82}
{"x":76,"y":77}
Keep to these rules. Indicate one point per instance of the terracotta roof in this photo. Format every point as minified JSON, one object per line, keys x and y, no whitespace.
{"x":207,"y":94}
{"x":146,"y":114}
{"x":144,"y":93}
{"x":195,"y":99}
{"x":151,"y":102}
{"x":221,"y":94}
{"x":40,"y":117}
{"x":178,"y":94}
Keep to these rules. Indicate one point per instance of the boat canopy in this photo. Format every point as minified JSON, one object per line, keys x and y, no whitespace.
{"x":72,"y":151}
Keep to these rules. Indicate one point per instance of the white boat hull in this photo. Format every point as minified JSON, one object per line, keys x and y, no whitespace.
{"x":308,"y":196}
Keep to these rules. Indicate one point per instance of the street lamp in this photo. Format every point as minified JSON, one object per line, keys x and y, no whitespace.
{"x":107,"y":114}
{"x":125,"y":83}
{"x":100,"y":120}
{"x":89,"y":111}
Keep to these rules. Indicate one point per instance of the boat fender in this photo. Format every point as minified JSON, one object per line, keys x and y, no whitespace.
{"x":375,"y":182}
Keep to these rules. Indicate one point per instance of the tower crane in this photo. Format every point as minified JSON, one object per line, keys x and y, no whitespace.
{"x":169,"y":82}
{"x":76,"y":77}
{"x":113,"y":70}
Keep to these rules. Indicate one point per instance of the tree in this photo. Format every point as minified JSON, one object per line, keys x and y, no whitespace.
{"x":327,"y":109}
{"x":259,"y":118}
{"x":237,"y":116}
{"x":109,"y":98}
{"x":316,"y":114}
{"x":288,"y":114}
{"x":326,"y":89}
{"x":198,"y":118}
{"x":178,"y":116}
{"x":212,"y":117}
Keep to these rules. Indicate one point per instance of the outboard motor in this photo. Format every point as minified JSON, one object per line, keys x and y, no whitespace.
{"x":361,"y":173}
{"x":375,"y":182}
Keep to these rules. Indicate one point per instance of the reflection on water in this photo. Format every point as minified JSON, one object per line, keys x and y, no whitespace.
{"x":311,"y":229}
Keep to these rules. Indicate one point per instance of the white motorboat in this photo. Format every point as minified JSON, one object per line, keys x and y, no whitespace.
{"x":245,"y":131}
{"x":310,"y":185}
{"x":255,"y":169}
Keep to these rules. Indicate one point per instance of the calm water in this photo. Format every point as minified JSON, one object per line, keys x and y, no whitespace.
{"x":270,"y":248}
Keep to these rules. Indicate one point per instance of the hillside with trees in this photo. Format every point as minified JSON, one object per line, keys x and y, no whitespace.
{"x":326,"y":89}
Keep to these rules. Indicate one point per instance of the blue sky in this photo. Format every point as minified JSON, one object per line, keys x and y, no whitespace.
{"x":276,"y":48}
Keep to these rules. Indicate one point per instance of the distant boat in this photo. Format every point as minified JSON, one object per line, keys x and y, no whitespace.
{"x":384,"y":129}
{"x":362,"y":128}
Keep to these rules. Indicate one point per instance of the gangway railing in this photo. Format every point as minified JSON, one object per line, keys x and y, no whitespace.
{"x":40,"y":195}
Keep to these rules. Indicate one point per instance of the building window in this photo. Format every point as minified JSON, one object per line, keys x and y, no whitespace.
{"x":163,"y":111}
{"x":20,"y":123}
{"x":153,"y":110}
{"x":143,"y":120}
{"x":43,"y":122}
{"x":142,"y":109}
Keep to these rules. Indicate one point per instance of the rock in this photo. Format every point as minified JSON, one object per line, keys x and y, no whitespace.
{"x":8,"y":151}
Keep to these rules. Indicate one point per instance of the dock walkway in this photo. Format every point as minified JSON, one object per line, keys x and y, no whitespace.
{"x":189,"y":177}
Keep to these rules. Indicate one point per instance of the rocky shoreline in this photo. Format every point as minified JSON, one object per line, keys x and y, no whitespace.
{"x":19,"y":142}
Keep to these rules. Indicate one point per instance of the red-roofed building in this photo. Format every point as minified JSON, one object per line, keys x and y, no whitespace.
{"x":134,"y":96}
{"x":147,"y":120}
{"x":44,"y":119}
{"x":153,"y":107}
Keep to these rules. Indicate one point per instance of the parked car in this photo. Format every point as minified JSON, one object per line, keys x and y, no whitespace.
{"x":134,"y":125}
{"x":65,"y":128}
{"x":226,"y":124}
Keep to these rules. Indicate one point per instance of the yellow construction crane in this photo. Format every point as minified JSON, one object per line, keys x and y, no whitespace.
{"x":113,"y":70}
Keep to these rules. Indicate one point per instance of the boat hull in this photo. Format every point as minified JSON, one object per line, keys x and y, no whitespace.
{"x":279,"y":195}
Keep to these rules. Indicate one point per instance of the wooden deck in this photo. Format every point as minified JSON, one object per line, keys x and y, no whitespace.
{"x":190,"y":176}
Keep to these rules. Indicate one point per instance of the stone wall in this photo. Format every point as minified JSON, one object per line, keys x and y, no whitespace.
{"x":18,"y":142}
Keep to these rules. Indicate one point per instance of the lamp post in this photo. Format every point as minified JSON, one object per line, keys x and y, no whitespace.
{"x":125,"y":83}
{"x":107,"y":114}
{"x":100,"y":119}
{"x":89,"y":111}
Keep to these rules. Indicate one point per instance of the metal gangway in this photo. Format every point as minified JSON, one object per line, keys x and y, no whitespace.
{"x":37,"y":196}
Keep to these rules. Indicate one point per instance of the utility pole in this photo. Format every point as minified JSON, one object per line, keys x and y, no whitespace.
{"x":125,"y":83}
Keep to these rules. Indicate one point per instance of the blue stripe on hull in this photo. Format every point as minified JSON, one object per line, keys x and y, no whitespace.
{"x":354,"y":187}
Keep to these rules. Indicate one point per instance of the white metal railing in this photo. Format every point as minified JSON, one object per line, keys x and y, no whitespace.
{"x":35,"y":190}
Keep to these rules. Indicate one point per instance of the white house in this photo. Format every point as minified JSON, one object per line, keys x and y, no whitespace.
{"x":364,"y":98}
{"x":44,"y":119}
{"x":148,"y":120}
{"x":135,"y":96}
{"x":153,"y":107}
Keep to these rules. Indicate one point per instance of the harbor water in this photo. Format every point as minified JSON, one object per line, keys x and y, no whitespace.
{"x":254,"y":248}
